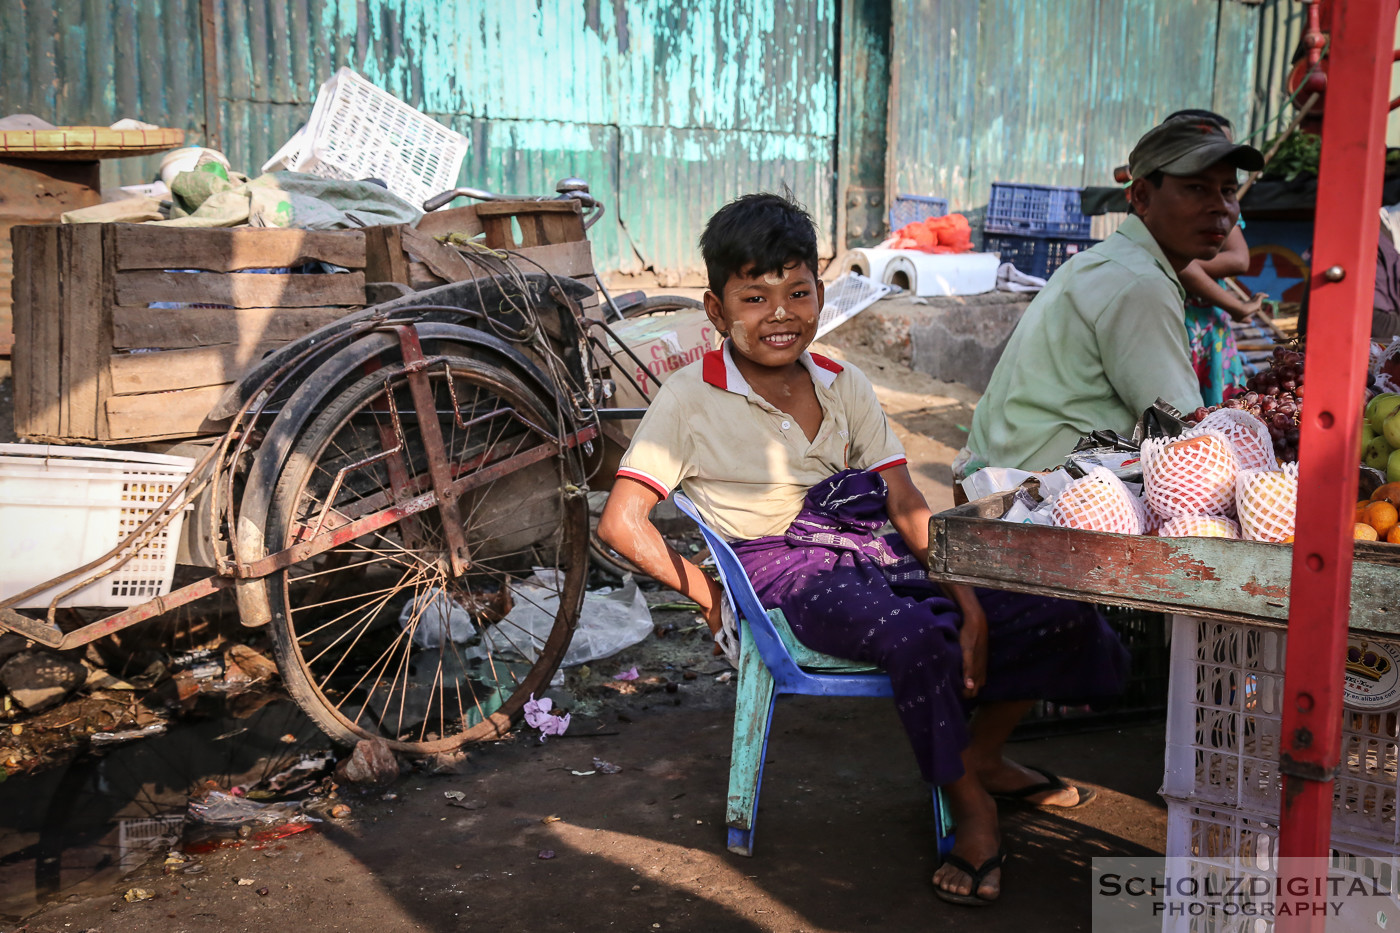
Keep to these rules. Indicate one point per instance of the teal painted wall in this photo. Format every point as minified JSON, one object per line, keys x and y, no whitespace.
{"x":668,"y":109}
{"x":1054,"y":91}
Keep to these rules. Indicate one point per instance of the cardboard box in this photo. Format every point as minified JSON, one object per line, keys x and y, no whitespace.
{"x":665,"y":343}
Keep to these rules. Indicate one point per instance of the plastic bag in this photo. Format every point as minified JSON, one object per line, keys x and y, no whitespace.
{"x":610,"y":620}
{"x":440,"y":619}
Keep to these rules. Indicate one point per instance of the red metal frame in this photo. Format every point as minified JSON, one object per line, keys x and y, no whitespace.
{"x":1344,"y":268}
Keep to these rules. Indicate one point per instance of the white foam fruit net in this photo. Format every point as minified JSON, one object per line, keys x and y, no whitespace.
{"x":1190,"y":475}
{"x":1199,"y":526}
{"x":1254,"y":449}
{"x":1267,"y":501}
{"x":1098,"y":501}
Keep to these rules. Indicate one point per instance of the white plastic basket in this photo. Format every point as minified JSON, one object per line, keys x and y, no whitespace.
{"x":1225,"y":844}
{"x":62,"y":507}
{"x":357,"y":131}
{"x":1224,"y":727}
{"x":846,"y":297}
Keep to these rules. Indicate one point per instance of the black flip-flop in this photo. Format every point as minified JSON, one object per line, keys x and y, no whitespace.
{"x":978,"y":874}
{"x":1022,"y":795}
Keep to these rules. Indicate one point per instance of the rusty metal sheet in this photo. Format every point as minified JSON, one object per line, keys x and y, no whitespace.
{"x":1209,"y":577}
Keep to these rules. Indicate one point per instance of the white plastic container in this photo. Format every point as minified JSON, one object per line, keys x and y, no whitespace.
{"x":358,"y":130}
{"x":62,"y":507}
{"x":1225,"y":723}
{"x":184,"y":160}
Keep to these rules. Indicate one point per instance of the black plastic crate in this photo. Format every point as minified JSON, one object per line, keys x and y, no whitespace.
{"x":1147,"y":636}
{"x":1038,"y":256}
{"x":1035,"y":210}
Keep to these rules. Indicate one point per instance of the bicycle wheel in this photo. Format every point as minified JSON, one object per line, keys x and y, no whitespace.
{"x":659,"y":304}
{"x":365,"y":652}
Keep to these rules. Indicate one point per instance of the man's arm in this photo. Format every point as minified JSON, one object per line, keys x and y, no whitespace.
{"x":1142,"y":343}
{"x":626,"y":527}
{"x":1199,"y":278}
{"x":909,"y":513}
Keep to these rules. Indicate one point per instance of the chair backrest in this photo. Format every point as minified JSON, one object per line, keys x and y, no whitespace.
{"x":744,"y":600}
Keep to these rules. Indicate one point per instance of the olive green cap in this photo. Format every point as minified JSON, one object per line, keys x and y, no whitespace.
{"x":1187,"y":146}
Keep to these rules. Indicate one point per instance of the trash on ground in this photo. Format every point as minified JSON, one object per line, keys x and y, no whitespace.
{"x":38,"y":679}
{"x":454,"y":795}
{"x":605,"y":767}
{"x":372,"y":763}
{"x":218,"y":808}
{"x":133,"y":895}
{"x":609,"y":621}
{"x":546,"y":853}
{"x":436,"y":618}
{"x":100,"y":739}
{"x":630,"y":674}
{"x":539,"y":715}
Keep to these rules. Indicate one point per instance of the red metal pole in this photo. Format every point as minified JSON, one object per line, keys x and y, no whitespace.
{"x":1343,"y":279}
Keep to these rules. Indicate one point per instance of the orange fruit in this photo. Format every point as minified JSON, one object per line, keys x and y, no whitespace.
{"x":1390,"y":492}
{"x":1393,"y":535}
{"x":1359,"y":514}
{"x":1382,"y":516}
{"x":1288,"y":539}
{"x":1364,"y":532}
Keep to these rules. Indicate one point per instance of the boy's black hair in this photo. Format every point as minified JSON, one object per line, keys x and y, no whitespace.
{"x":757,"y":234}
{"x":1210,"y":115}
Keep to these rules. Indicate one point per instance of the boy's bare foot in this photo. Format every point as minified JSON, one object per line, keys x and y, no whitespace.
{"x":978,"y":848}
{"x":1005,"y":777}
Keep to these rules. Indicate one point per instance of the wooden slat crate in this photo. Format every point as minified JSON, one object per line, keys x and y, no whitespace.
{"x":96,"y":363}
{"x":1209,"y":577}
{"x":550,"y":238}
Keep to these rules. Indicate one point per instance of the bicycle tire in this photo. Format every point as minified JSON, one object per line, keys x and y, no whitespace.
{"x":363,"y":672}
{"x":659,"y":304}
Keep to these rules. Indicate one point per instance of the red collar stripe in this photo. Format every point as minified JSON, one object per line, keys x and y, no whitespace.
{"x":825,"y":363}
{"x":713,"y":370}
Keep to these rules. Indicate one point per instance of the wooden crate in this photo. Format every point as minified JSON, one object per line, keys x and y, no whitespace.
{"x":541,"y":236}
{"x":96,"y":363}
{"x":1211,"y":577}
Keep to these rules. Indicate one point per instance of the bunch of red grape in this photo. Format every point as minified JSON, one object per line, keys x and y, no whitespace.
{"x":1275,"y":397}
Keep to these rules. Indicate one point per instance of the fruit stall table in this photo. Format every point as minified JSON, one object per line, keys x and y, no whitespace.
{"x":1229,"y":600}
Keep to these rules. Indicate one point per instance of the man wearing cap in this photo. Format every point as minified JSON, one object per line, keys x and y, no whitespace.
{"x":1106,"y":337}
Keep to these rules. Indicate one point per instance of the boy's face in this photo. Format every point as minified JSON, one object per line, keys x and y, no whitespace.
{"x":771,"y":318}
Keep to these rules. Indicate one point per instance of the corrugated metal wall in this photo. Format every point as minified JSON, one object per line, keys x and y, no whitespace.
{"x":1053,"y":91}
{"x":667,"y":108}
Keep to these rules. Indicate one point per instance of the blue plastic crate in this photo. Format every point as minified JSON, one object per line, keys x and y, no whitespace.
{"x":1036,"y":255}
{"x":912,"y":208}
{"x":1035,"y":210}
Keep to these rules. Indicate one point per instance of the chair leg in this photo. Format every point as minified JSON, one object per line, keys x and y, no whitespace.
{"x":753,"y":714}
{"x":942,"y":824}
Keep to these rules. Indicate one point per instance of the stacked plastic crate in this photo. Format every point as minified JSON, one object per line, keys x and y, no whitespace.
{"x":1036,"y":228}
{"x":1223,"y":784}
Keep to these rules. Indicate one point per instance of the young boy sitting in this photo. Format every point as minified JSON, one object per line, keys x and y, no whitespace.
{"x":789,"y":455}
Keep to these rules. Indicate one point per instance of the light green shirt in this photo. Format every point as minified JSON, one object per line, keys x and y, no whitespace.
{"x":1101,"y":342}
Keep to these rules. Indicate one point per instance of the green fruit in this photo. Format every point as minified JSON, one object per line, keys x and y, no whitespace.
{"x":1384,"y":405}
{"x":1371,"y":405}
{"x":1377,"y":454}
{"x":1391,"y":429}
{"x":1367,"y":435}
{"x":1392,"y":468}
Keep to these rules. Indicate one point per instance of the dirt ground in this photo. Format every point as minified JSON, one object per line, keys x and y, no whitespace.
{"x":528,"y":836}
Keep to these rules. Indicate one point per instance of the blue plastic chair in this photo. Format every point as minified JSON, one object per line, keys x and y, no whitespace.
{"x":772,"y":662}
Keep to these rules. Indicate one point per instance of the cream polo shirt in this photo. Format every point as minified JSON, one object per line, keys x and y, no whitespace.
{"x":744,"y":463}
